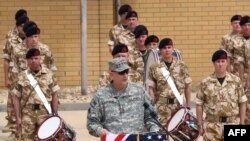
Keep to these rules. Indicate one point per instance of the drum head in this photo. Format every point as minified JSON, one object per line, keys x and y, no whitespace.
{"x":49,"y":127}
{"x":175,"y":120}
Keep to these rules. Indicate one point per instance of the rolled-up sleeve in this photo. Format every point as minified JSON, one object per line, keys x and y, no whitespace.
{"x":199,"y":100}
{"x":150,"y":81}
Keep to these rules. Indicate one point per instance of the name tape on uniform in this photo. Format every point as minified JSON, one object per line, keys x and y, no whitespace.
{"x":239,"y":132}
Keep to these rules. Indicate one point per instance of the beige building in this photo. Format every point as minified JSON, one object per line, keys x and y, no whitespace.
{"x":196,"y":27}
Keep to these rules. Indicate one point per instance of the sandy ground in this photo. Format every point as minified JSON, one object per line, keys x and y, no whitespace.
{"x":75,"y":118}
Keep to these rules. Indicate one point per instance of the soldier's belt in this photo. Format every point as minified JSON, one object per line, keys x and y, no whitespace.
{"x":35,"y":107}
{"x":167,"y":100}
{"x":221,"y":119}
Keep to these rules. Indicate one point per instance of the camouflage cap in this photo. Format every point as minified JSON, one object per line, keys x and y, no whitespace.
{"x":118,"y":64}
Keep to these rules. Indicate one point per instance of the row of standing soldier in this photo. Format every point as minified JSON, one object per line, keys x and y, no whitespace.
{"x":222,"y":96}
{"x":24,"y":52}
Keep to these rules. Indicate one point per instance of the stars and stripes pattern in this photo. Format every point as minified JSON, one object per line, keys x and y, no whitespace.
{"x":150,"y":136}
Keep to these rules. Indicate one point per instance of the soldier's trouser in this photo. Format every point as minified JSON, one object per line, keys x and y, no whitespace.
{"x":214,"y":127}
{"x":247,"y":121}
{"x":213,"y":131}
{"x":165,"y":108}
{"x":11,"y":119}
{"x":31,"y":120}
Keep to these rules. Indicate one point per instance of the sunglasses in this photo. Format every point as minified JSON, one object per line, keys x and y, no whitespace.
{"x":122,"y":72}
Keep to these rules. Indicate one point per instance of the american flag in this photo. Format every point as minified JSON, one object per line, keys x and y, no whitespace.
{"x":150,"y":136}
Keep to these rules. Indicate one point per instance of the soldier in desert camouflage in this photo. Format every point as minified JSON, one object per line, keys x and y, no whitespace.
{"x":29,"y":109}
{"x":159,"y":89}
{"x":120,"y":27}
{"x":32,"y":41}
{"x":13,"y":39}
{"x":241,"y":45}
{"x":221,"y":97}
{"x":118,"y":107}
{"x":226,"y":40}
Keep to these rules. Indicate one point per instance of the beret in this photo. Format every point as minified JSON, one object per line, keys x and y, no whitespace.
{"x":132,"y":14}
{"x":120,"y":48}
{"x":151,"y":38}
{"x":164,"y":42}
{"x":30,"y":28}
{"x":22,"y":20}
{"x":32,"y":52}
{"x":219,"y":54}
{"x":140,"y":30}
{"x":244,"y":20}
{"x":236,"y":18}
{"x":28,"y":25}
{"x":20,"y":12}
{"x":124,"y":8}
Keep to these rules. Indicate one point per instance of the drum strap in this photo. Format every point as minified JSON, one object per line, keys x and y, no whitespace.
{"x":170,"y":81}
{"x":39,"y":92}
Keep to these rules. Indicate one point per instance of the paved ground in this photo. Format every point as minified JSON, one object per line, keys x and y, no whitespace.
{"x":77,"y":119}
{"x":72,"y":110}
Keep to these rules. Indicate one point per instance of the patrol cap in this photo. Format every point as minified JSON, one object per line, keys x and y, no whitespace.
{"x":132,"y":14}
{"x":120,"y":48}
{"x":150,"y":39}
{"x":21,"y":20}
{"x":30,"y":28}
{"x":124,"y":8}
{"x":140,"y":30}
{"x":219,"y":54}
{"x":244,"y":20}
{"x":118,"y":64}
{"x":164,"y":42}
{"x":32,"y":52}
{"x":236,"y":18}
{"x":20,"y":12}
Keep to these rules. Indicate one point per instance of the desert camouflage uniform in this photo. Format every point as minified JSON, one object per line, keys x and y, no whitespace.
{"x":12,"y":40}
{"x":122,"y":36}
{"x":236,"y":44}
{"x":247,"y":60}
{"x":136,"y":64}
{"x":227,"y":46}
{"x":163,"y":93}
{"x":31,"y":118}
{"x":114,"y":32}
{"x":20,"y":61}
{"x":119,"y":111}
{"x":220,"y":101}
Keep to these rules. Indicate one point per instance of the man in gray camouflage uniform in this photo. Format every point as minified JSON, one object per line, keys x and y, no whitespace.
{"x":118,"y":28}
{"x":29,"y":109}
{"x":159,"y":89}
{"x":226,"y":40}
{"x":118,"y":107}
{"x":14,"y":38}
{"x":221,"y":97}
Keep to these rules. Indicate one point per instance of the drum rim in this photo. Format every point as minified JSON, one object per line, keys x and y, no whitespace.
{"x":177,"y":125}
{"x":59,"y":127}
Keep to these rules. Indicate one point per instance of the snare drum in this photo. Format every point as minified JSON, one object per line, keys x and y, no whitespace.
{"x":183,"y":125}
{"x":54,"y":128}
